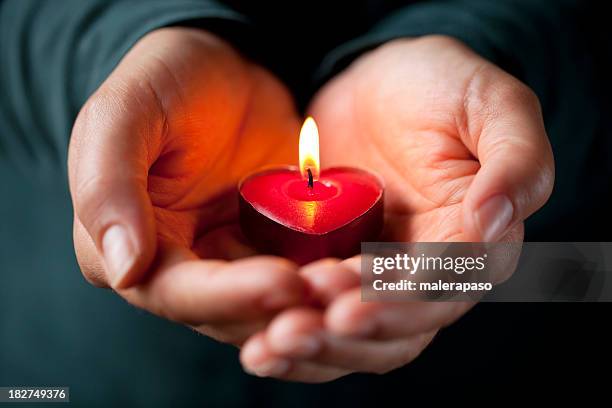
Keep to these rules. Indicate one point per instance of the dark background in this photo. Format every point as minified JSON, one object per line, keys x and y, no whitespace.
{"x":55,"y":329}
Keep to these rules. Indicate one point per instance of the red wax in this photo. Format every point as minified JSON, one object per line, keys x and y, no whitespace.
{"x":280,"y":214}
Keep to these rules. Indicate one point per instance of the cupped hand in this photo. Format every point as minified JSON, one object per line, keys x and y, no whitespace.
{"x":462,"y":148}
{"x":154,"y":159}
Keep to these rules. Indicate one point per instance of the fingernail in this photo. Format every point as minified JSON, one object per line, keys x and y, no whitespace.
{"x":271,"y":368}
{"x":303,"y":346}
{"x":493,"y":217}
{"x":118,"y":253}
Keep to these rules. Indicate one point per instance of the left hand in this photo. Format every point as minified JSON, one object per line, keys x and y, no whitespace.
{"x":463,"y":150}
{"x":153,"y":170}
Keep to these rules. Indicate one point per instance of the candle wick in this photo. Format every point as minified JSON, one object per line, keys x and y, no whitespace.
{"x":310,"y":179}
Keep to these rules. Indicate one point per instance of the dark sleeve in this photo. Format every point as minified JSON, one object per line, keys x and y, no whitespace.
{"x":528,"y":38}
{"x":53,"y":54}
{"x":561,"y":49}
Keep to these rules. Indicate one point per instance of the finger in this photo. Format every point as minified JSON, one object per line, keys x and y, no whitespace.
{"x":327,"y":278}
{"x":349,"y":316}
{"x":225,"y":242}
{"x":257,"y":359}
{"x":299,"y":334}
{"x":112,"y":144}
{"x":88,"y":258}
{"x":508,"y":137}
{"x":233,"y":333}
{"x":196,"y":292}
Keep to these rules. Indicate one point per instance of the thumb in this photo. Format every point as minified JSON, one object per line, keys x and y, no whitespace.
{"x":108,"y":167}
{"x":517,"y":167}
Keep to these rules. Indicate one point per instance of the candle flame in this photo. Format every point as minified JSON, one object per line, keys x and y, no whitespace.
{"x":309,"y":149}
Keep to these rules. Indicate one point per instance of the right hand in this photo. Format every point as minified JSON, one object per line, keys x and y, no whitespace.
{"x":464,"y":154}
{"x":154,"y":153}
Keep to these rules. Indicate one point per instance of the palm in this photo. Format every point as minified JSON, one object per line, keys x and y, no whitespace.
{"x":426,"y":173}
{"x":390,"y":116}
{"x":224,"y":117}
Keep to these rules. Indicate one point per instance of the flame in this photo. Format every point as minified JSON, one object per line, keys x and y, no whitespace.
{"x":309,"y":149}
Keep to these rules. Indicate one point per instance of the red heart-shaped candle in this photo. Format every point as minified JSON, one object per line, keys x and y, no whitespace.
{"x":281,"y":214}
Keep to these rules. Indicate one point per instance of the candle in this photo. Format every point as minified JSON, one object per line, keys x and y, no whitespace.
{"x":306,"y":213}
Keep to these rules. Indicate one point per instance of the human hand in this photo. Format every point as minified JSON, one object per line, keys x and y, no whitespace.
{"x":463,"y":151}
{"x":154,"y":157}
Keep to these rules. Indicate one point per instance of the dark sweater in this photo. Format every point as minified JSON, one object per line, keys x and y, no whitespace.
{"x":57,"y":330}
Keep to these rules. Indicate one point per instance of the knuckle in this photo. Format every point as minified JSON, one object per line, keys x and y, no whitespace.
{"x":89,"y":262}
{"x":98,"y":108}
{"x":515,"y":92}
{"x":491,"y":92}
{"x":543,"y":183}
{"x":281,"y":274}
{"x":515,"y":96}
{"x":90,"y":117}
{"x":286,"y":282}
{"x":91,"y":195}
{"x":522,"y":94}
{"x":539,"y":175}
{"x":281,"y":278}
